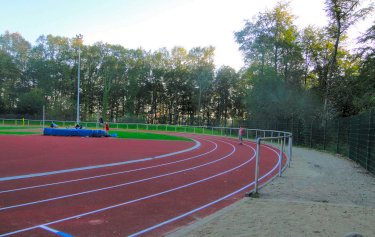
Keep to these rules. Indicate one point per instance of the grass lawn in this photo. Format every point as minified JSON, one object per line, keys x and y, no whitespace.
{"x":17,"y":127}
{"x":9,"y":130}
{"x":17,"y":133}
{"x":150,"y":136}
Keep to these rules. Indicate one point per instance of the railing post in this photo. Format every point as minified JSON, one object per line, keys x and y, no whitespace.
{"x":281,"y":155}
{"x":257,"y":165}
{"x":290,"y":144}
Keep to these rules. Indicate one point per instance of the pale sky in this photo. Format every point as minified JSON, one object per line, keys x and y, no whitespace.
{"x":152,"y":24}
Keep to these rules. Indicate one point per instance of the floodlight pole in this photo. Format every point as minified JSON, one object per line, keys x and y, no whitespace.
{"x":79,"y":37}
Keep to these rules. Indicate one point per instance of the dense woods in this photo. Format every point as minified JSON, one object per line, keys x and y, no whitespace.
{"x":289,"y":73}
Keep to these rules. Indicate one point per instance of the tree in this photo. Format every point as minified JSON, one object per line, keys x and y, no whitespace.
{"x":342,"y":15}
{"x":365,"y":84}
{"x":275,"y":65}
{"x":225,"y":80}
{"x":9,"y":73}
{"x":271,"y":41}
{"x":14,"y":51}
{"x":31,"y":103}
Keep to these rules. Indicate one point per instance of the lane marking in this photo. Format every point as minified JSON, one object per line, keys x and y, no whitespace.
{"x":55,"y":231}
{"x":197,"y":144}
{"x":116,"y":186}
{"x":131,"y":201}
{"x":115,"y":173}
{"x":208,"y":204}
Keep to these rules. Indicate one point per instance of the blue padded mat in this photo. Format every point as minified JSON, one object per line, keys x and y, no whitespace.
{"x":73,"y":132}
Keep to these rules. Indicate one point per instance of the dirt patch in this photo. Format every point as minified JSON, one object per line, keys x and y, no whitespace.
{"x":319,"y":195}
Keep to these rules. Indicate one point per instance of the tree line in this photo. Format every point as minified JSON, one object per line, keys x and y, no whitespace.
{"x":289,"y":73}
{"x":162,"y":86}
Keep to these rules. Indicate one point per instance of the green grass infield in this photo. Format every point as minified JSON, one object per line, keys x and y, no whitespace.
{"x":17,"y":133}
{"x":149,"y":136}
{"x":8,"y":130}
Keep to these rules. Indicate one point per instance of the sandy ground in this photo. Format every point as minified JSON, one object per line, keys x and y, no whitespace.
{"x":319,"y":195}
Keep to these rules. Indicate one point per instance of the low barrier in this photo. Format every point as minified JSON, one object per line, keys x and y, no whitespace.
{"x":73,"y":132}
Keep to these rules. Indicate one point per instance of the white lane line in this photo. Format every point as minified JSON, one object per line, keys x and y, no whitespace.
{"x":115,"y":173}
{"x":115,"y":186}
{"x":48,"y":229}
{"x":208,"y":204}
{"x":55,"y":231}
{"x":131,"y":201}
{"x":197,"y":144}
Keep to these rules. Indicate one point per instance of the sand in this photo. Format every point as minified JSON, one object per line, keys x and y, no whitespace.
{"x":319,"y":195}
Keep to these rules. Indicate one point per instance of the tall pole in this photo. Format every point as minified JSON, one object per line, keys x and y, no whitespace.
{"x":79,"y":37}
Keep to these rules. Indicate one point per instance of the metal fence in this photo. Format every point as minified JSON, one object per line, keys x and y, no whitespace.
{"x":353,"y":137}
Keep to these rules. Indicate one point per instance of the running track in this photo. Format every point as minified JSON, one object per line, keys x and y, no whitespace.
{"x":67,"y":186}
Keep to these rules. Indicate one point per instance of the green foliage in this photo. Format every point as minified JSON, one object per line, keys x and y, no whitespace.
{"x":30,"y":102}
{"x":289,"y":74}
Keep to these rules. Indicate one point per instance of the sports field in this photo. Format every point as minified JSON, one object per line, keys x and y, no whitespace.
{"x":74,"y":186}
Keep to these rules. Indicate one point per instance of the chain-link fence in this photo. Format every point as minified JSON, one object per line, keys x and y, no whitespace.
{"x":353,"y":137}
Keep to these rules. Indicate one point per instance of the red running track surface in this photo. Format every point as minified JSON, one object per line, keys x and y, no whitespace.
{"x":148,"y":198}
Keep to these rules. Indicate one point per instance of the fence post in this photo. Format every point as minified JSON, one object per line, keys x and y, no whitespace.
{"x":338,"y":137}
{"x":311,"y":132}
{"x":369,"y":138}
{"x":324,"y":135}
{"x":348,"y":133}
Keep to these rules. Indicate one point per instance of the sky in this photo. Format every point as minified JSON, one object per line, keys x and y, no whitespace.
{"x":153,"y":24}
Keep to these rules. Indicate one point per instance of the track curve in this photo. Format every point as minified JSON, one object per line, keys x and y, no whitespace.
{"x":146,"y":198}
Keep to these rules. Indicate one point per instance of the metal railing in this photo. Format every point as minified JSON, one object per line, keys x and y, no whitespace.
{"x":283,"y":139}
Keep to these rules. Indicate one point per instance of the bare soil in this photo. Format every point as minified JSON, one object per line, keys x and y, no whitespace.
{"x":319,"y":195}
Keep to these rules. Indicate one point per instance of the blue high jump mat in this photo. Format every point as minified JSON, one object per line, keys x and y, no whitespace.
{"x":73,"y":132}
